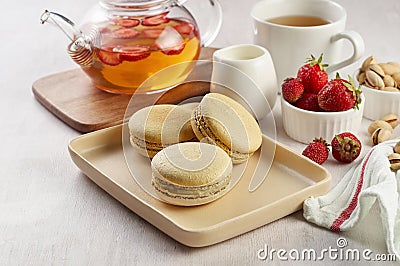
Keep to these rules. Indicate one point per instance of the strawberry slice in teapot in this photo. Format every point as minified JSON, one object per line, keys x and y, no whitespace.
{"x":141,"y":34}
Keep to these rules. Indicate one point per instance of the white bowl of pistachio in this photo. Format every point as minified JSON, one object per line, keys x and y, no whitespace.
{"x":381,"y":87}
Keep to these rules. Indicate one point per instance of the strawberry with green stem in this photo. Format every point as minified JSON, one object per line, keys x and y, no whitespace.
{"x":317,"y":150}
{"x":313,"y":75}
{"x":339,"y":95}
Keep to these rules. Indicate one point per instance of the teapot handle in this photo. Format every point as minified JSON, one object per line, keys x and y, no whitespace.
{"x":209,"y":25}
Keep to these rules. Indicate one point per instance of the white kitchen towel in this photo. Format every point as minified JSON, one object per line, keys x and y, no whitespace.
{"x":351,"y":199}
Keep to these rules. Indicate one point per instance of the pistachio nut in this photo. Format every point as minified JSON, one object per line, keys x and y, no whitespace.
{"x":389,"y":69}
{"x":394,"y":160}
{"x":390,"y":89}
{"x":366,"y":83}
{"x":396,"y":65}
{"x":396,"y":77}
{"x":361,"y":77}
{"x":377,"y":69}
{"x":374,"y":80}
{"x":370,"y":60}
{"x":396,"y":147}
{"x":379,"y":124}
{"x":380,"y":135}
{"x":388,"y":81}
{"x":391,"y":119}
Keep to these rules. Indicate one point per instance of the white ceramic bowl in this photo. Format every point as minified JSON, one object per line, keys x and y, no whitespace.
{"x":303,"y":126}
{"x":380,"y":103}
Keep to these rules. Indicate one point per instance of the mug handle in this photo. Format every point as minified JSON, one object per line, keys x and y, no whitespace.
{"x":358,"y":49}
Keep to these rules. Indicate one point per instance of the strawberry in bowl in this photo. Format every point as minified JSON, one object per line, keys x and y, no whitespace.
{"x":313,"y":75}
{"x":339,"y":95}
{"x":321,"y":111}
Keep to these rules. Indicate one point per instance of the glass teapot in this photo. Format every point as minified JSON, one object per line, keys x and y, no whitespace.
{"x":121,"y":43}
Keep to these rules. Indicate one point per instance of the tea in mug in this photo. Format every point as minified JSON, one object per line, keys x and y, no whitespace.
{"x":299,"y":21}
{"x":129,"y":53}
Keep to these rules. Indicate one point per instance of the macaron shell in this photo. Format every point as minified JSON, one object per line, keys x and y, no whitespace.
{"x":159,"y":126}
{"x":192,"y":163}
{"x":228,"y":123}
{"x":145,"y":149}
{"x":190,"y":106}
{"x":191,"y":173}
{"x":191,"y":200}
{"x":204,"y":135}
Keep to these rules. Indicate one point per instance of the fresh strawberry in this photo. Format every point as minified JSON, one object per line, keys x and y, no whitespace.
{"x":134,"y":53}
{"x":339,"y":95}
{"x":152,"y":33}
{"x":313,"y":75}
{"x":174,"y":50}
{"x":108,"y":56}
{"x":308,"y":101}
{"x":317,"y":151}
{"x":125,"y":33}
{"x":292,"y":90}
{"x":155,"y":20}
{"x":345,"y":147}
{"x":184,"y":28}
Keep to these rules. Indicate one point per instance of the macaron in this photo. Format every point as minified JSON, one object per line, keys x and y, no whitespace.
{"x":155,"y":127}
{"x":191,"y":173}
{"x":221,"y":120}
{"x":191,"y":106}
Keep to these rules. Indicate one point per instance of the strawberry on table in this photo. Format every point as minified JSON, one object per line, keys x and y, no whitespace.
{"x":317,"y":151}
{"x":346,"y":147}
{"x":292,"y":90}
{"x":155,"y":20}
{"x":339,"y":95}
{"x":313,"y":75}
{"x":309,"y":101}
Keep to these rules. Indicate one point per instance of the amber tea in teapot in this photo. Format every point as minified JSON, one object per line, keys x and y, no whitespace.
{"x":125,"y":42}
{"x":129,"y":54}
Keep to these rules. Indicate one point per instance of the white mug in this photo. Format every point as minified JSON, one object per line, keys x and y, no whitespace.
{"x":290,"y":46}
{"x":246,"y":73}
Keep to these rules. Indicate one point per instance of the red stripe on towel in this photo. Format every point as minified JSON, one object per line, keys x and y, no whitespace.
{"x":354,"y":201}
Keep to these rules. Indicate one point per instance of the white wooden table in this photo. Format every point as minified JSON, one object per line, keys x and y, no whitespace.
{"x":52,"y":214}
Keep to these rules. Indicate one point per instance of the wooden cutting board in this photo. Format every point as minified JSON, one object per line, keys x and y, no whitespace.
{"x":72,"y":98}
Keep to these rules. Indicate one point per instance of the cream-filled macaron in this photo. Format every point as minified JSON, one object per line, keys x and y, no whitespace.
{"x":225,"y":122}
{"x":191,"y":106}
{"x":191,"y":173}
{"x":155,"y":127}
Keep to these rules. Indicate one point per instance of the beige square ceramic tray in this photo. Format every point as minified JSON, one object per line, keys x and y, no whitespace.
{"x":290,"y":181}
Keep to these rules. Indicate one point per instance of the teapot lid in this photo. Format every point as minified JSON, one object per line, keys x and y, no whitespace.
{"x":137,"y":4}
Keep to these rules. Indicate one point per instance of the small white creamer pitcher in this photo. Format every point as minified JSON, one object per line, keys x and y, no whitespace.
{"x":246,"y":73}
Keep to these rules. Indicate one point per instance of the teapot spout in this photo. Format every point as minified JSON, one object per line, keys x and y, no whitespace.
{"x":80,"y":48}
{"x":62,"y":23}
